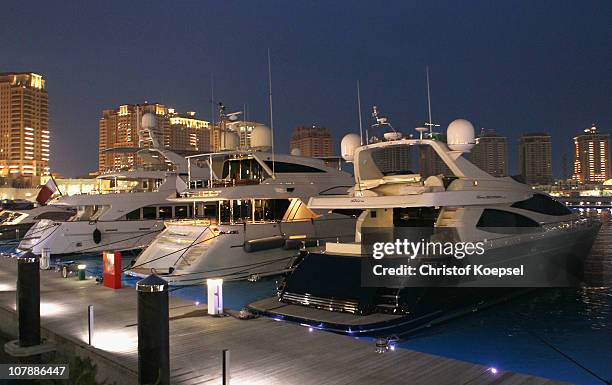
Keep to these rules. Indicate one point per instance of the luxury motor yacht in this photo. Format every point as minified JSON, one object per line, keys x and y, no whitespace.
{"x":249,"y":218}
{"x":514,"y":224}
{"x":126,"y":216}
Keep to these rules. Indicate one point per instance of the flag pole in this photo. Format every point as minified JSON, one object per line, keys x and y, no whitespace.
{"x":56,"y":185}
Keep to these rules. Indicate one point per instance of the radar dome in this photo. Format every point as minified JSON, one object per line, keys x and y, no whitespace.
{"x":460,"y":135}
{"x":261,"y":137}
{"x":229,"y":141}
{"x":148,"y":120}
{"x":348,"y":145}
{"x":296,"y":152}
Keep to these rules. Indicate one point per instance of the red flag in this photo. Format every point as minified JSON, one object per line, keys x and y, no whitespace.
{"x":45,"y":193}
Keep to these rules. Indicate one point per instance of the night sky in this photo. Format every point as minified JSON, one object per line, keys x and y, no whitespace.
{"x":516,"y":66}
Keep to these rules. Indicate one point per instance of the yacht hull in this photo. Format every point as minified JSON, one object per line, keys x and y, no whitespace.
{"x":69,"y":238}
{"x":188,"y":254}
{"x":339,"y":287}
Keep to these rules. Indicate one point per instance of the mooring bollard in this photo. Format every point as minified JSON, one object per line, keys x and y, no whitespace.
{"x":28,"y":300}
{"x":153,"y":331}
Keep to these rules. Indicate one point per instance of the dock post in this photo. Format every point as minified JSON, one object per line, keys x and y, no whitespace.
{"x":28,"y":300}
{"x":226,"y":367}
{"x":29,"y":343}
{"x":153,"y":331}
{"x":90,"y":324}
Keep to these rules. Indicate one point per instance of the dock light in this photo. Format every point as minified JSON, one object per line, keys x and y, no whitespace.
{"x":81,"y":272}
{"x":493,"y":370}
{"x":197,"y":303}
{"x":382,"y":345}
{"x":310,"y":329}
{"x":215,"y":296}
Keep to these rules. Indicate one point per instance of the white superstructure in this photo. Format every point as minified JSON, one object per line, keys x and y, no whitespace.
{"x":250,"y":217}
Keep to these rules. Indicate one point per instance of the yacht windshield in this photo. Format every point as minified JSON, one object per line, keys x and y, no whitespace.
{"x":243,"y":170}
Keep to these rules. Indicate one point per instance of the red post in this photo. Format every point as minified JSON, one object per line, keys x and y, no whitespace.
{"x":112,"y":269}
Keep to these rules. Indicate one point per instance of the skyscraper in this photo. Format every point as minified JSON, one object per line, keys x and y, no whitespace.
{"x":24,"y":128}
{"x":181,"y":133}
{"x":535,"y":159}
{"x":312,"y":141}
{"x":187,"y":134}
{"x":591,"y":156}
{"x":490,"y":153}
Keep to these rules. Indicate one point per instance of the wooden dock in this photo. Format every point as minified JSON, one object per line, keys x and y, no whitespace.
{"x":263,"y":351}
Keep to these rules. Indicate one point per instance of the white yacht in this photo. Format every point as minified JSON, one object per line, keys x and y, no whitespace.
{"x":516,"y":224}
{"x":249,"y":218}
{"x":125,"y":217}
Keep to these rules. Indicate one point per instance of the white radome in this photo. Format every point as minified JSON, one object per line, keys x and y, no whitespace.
{"x":261,"y":137}
{"x":348,"y":145}
{"x":296,"y":152}
{"x":148,"y":120}
{"x":460,"y":135}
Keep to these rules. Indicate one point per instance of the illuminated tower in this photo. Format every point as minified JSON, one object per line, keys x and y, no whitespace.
{"x":24,"y":127}
{"x":119,"y":129}
{"x":591,"y":157}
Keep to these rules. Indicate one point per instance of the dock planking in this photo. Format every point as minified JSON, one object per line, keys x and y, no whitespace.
{"x":263,"y":351}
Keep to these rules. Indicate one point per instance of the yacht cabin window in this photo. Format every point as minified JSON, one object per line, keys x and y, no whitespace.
{"x":89,"y":213}
{"x":243,"y":170}
{"x":149,"y":212}
{"x":506,"y":222}
{"x":165,"y":212}
{"x":543,"y":204}
{"x":285,"y":167}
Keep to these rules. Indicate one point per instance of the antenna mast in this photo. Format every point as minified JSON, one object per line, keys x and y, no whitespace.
{"x":429,"y":100}
{"x":359,"y":108}
{"x":271,"y":116}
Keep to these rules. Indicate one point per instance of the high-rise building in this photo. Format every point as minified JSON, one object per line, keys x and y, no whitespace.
{"x":120,"y":139}
{"x":187,"y":134}
{"x":430,"y":163}
{"x":312,"y":141}
{"x":535,"y":159}
{"x":490,"y":153}
{"x":24,"y":128}
{"x":591,"y":156}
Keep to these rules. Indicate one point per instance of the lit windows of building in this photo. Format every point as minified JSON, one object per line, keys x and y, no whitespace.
{"x":24,"y":128}
{"x":591,"y":157}
{"x":183,"y":134}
